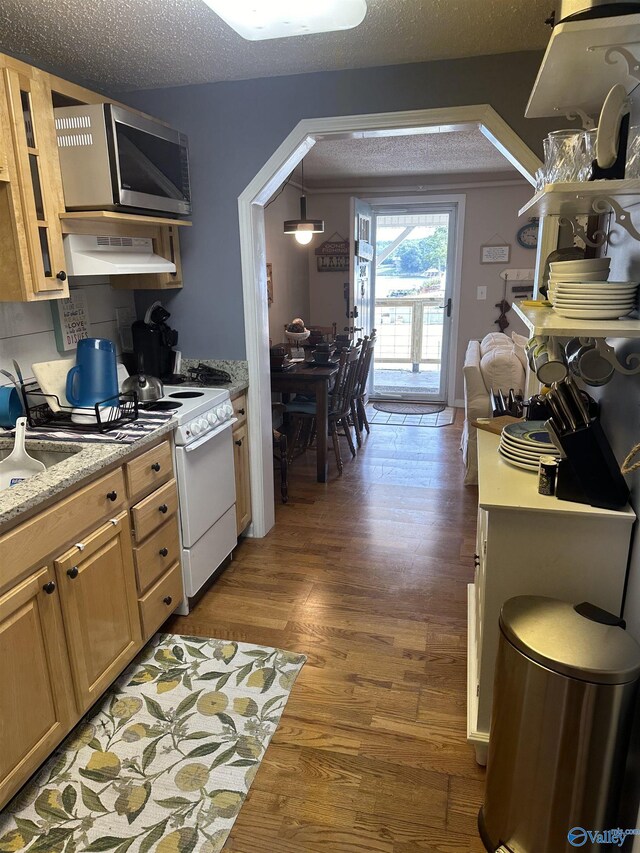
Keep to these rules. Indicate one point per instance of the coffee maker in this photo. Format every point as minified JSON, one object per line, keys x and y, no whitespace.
{"x":153,"y":343}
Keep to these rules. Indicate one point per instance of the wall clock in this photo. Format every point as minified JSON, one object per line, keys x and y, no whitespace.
{"x":527,"y":236}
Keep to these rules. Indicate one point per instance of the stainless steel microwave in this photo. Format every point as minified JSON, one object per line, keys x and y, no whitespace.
{"x":115,"y":159}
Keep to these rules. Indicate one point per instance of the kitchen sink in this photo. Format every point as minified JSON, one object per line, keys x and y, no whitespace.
{"x":48,"y":457}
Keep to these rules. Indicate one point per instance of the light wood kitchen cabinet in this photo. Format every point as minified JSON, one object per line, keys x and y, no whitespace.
{"x":100,"y":607}
{"x":241,"y":463}
{"x":74,"y":595}
{"x":36,"y":699}
{"x":31,"y":200}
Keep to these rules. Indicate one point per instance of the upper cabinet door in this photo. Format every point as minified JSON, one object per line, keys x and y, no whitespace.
{"x":38,"y":184}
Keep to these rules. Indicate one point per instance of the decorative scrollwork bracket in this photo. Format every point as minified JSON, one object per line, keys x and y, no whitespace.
{"x":622,"y":217}
{"x":598,"y":239}
{"x":575,"y":112}
{"x":614,"y":51}
{"x":609,"y":354}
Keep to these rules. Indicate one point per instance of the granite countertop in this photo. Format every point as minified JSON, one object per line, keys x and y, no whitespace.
{"x":88,"y":458}
{"x":237,"y":370}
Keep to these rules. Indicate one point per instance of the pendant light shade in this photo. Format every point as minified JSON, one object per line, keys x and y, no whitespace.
{"x":303,"y":229}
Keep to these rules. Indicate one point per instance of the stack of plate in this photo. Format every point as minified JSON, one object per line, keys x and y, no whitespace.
{"x":523,"y":443}
{"x":577,"y":272}
{"x":595,"y":300}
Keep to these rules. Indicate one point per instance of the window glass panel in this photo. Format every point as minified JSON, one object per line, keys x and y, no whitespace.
{"x":25,"y":99}
{"x":44,"y":247}
{"x":37,"y":188}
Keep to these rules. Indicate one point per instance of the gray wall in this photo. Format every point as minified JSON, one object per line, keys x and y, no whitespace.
{"x":234,"y":128}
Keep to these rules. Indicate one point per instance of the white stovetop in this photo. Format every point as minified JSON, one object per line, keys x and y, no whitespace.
{"x":500,"y":485}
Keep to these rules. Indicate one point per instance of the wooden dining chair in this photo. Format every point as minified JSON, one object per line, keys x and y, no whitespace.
{"x":358,"y":406}
{"x":280,"y":452}
{"x":303,"y":414}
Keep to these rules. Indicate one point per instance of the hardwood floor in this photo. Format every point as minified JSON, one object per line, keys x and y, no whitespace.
{"x":367,"y":576}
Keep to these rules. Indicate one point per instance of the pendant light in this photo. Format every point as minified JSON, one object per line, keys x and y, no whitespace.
{"x":303,"y":229}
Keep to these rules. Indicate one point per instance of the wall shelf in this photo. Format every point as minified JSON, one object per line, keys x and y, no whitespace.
{"x":103,"y":216}
{"x":583,"y":60}
{"x":545,"y":321}
{"x":577,"y":198}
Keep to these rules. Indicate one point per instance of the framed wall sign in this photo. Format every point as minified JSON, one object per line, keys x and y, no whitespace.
{"x":495,"y":254}
{"x":333,"y":254}
{"x":70,"y":320}
{"x":498,"y":254}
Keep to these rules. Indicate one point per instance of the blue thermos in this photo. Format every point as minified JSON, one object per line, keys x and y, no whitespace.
{"x":94,"y":379}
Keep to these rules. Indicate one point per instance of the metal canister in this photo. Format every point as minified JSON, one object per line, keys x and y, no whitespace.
{"x":547,"y":473}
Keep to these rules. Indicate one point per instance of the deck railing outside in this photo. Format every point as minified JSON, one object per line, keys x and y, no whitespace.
{"x":409,"y":331}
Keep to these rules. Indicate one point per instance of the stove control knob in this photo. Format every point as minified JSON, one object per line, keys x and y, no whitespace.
{"x":228,"y":409}
{"x":204,"y":424}
{"x":212,"y":417}
{"x":221,"y":413}
{"x":195,"y":427}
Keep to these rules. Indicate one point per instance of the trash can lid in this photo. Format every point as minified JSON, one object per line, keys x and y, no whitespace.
{"x":553,"y":634}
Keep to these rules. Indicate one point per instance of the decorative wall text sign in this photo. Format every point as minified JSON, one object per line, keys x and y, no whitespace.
{"x":495,"y":254}
{"x":70,"y":320}
{"x":333,"y":255}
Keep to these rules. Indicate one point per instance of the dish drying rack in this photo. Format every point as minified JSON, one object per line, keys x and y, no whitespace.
{"x":108,"y":416}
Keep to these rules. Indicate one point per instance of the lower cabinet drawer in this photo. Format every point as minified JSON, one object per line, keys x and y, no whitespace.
{"x":161,"y":600}
{"x":160,"y":550}
{"x":55,"y":527}
{"x":154,"y":510}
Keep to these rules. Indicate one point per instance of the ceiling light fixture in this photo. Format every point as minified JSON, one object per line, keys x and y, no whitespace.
{"x":256,"y":20}
{"x":303,"y":229}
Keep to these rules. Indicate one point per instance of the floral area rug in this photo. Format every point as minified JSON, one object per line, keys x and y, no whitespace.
{"x":164,"y":764}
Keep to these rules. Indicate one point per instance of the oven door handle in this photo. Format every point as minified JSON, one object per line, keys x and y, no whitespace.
{"x":210,"y":435}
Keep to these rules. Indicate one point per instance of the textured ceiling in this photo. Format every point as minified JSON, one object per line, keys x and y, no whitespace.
{"x":141,"y":44}
{"x":399,"y":156}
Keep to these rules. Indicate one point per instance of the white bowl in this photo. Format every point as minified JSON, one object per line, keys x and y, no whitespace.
{"x":596,"y":275}
{"x":586,"y":265}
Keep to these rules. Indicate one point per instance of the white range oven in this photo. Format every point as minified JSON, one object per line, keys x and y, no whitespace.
{"x":206,"y":480}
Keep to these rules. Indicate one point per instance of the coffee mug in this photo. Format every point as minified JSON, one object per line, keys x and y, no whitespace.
{"x":10,"y":406}
{"x":586,"y":363}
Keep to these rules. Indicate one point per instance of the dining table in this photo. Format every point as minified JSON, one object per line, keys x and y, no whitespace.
{"x":316,"y":379}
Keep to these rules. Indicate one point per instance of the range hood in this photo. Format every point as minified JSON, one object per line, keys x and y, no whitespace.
{"x":96,"y":255}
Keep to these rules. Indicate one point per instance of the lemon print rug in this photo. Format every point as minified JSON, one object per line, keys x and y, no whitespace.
{"x":165,"y":762}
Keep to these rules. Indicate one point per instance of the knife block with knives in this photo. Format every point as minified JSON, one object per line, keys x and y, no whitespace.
{"x":582,"y":441}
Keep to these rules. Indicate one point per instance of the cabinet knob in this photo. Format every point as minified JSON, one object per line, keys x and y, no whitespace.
{"x":241,"y":411}
{"x":167,"y":600}
{"x":113,"y":496}
{"x":238,"y":441}
{"x":62,"y":275}
{"x":163,"y":508}
{"x":163,"y":552}
{"x":73,"y":572}
{"x":155,"y":467}
{"x":49,"y":587}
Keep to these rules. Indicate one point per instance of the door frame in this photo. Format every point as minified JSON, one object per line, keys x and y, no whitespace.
{"x":253,"y":249}
{"x":457,"y":200}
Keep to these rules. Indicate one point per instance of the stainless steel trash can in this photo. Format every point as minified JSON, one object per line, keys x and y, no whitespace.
{"x":564,"y":694}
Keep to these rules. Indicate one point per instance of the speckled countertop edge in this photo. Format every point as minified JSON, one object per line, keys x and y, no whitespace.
{"x":93,"y":458}
{"x":237,"y":370}
{"x":90,"y":459}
